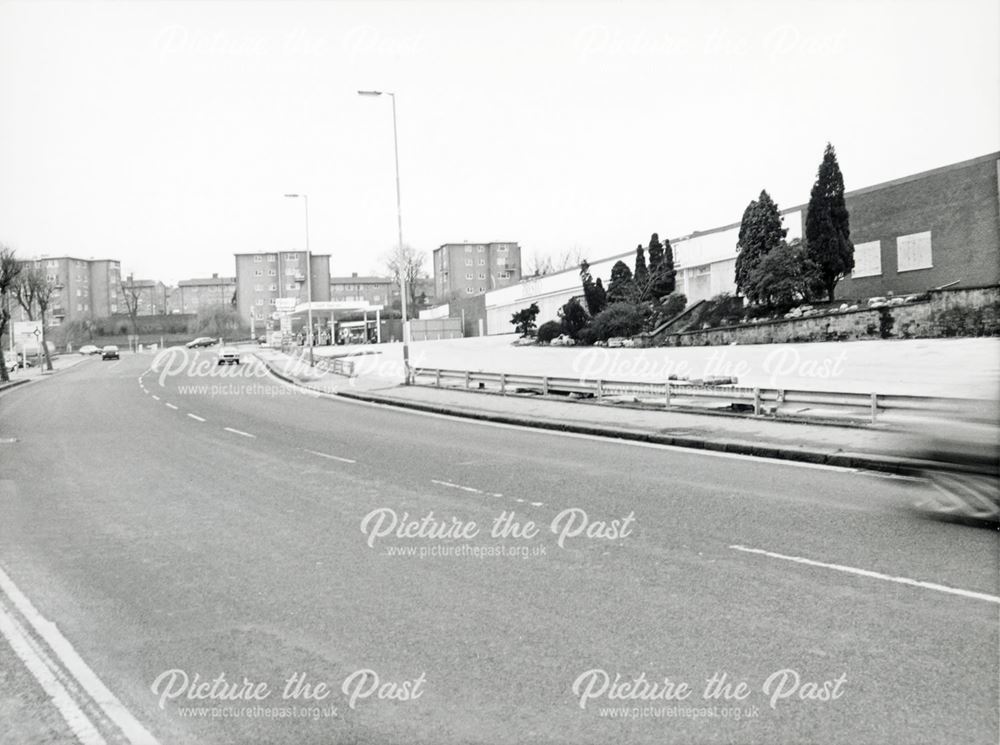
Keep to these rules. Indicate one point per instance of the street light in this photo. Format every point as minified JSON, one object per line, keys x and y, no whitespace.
{"x":399,"y":221}
{"x":309,"y":293}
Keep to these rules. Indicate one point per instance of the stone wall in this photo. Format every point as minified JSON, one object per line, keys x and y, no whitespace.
{"x":962,"y":312}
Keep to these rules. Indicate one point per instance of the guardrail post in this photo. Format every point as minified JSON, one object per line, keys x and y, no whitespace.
{"x":874,"y":407}
{"x":600,"y":389}
{"x":667,"y":402}
{"x":468,"y":380}
{"x":756,"y":401}
{"x":437,"y":378}
{"x":503,"y":383}
{"x":545,"y":385}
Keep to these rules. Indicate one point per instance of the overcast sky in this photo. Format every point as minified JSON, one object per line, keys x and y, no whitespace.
{"x":165,"y":134}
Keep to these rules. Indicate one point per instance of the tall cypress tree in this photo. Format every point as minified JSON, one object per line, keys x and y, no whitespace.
{"x":641,"y":274}
{"x":600,"y":297}
{"x":828,"y":229}
{"x":760,"y":231}
{"x":666,"y":275}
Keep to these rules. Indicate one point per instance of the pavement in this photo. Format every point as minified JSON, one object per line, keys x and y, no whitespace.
{"x":855,"y":446}
{"x":220,"y":523}
{"x":28,"y":374}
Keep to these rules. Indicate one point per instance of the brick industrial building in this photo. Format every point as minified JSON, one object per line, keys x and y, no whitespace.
{"x":931,"y":229}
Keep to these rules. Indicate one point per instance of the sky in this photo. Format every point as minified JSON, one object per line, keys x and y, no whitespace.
{"x":165,"y":134}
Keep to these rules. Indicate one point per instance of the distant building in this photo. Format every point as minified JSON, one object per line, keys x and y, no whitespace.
{"x":84,"y":288}
{"x":466,"y":269}
{"x":262,"y":278}
{"x":151,"y":296}
{"x":193,"y":295}
{"x":374,"y":290}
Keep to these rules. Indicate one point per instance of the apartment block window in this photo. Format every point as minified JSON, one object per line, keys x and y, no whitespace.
{"x":78,"y":293}
{"x":469,"y":290}
{"x":289,"y":271}
{"x":867,"y":259}
{"x":482,"y":262}
{"x":293,"y":257}
{"x":272,"y":301}
{"x":114,"y":308}
{"x":482,"y":289}
{"x":259,"y":301}
{"x":271,"y":258}
{"x":291,"y":286}
{"x":501,"y":249}
{"x":271,"y":273}
{"x":468,"y":275}
{"x":505,"y":275}
{"x":479,"y":249}
{"x":53,"y":264}
{"x":258,"y":288}
{"x":274,"y":288}
{"x":913,"y":252}
{"x":482,"y":275}
{"x":257,"y":259}
{"x":79,"y":306}
{"x":468,"y":262}
{"x":468,"y":249}
{"x":377,"y":298}
{"x":501,"y":260}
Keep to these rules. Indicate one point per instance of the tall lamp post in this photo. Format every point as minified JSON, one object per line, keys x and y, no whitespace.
{"x":399,"y":221}
{"x":309,"y":293}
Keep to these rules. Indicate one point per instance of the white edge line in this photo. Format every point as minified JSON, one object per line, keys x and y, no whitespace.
{"x":196,"y":417}
{"x":82,"y":728}
{"x":874,"y":575}
{"x":155,"y":397}
{"x":171,"y":406}
{"x":574,"y":435}
{"x":88,"y":680}
{"x":331,"y":457}
{"x":238,"y":432}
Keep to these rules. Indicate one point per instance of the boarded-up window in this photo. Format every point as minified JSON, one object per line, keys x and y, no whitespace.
{"x":867,"y":259}
{"x":913,"y":252}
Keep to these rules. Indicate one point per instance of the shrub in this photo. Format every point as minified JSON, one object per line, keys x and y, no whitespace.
{"x":618,"y":319}
{"x":574,"y":317}
{"x":549,"y":331}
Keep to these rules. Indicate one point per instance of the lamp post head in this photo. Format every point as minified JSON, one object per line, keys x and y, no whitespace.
{"x":292,"y":196}
{"x":369,"y":93}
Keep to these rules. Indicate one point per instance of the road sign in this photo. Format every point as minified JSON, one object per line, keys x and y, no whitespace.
{"x":28,"y":335}
{"x":285,"y":304}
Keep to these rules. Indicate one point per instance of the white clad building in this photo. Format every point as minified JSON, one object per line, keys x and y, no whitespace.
{"x":705,"y":263}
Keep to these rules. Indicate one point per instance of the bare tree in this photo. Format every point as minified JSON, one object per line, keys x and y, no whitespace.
{"x":132,"y":295}
{"x":541,"y":264}
{"x":10,"y":268}
{"x":409,"y":262}
{"x":34,"y":293}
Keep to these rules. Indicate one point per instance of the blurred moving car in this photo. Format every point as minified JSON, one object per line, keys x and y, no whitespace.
{"x":229,"y":356}
{"x":110,"y":352}
{"x":960,"y":461}
{"x":201,"y":341}
{"x":90,"y":349}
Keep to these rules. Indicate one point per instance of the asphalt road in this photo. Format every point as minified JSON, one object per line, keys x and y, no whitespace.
{"x":220,"y":531}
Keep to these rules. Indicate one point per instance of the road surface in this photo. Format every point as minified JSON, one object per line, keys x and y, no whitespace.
{"x":170,"y":529}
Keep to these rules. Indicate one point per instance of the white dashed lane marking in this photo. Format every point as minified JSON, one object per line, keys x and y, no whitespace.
{"x":238,"y":432}
{"x":155,"y":397}
{"x":171,"y":406}
{"x":196,"y":417}
{"x":473,"y":490}
{"x":330,"y":457}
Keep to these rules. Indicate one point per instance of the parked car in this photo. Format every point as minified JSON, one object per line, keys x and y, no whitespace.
{"x":229,"y":356}
{"x":201,"y":341}
{"x":110,"y":352}
{"x":90,"y":349}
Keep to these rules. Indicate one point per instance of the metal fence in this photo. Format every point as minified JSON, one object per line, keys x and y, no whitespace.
{"x":679,"y":394}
